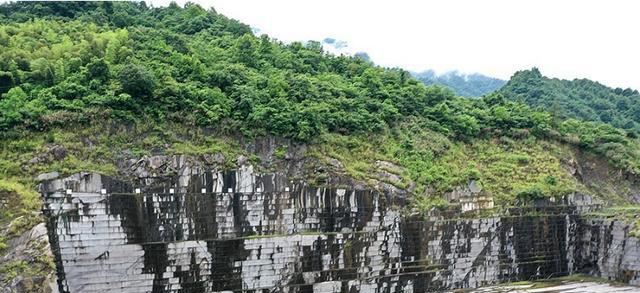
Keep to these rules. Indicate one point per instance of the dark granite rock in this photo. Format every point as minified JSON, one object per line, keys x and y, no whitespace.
{"x":249,"y":232}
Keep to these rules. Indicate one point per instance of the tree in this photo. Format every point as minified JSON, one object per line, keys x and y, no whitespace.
{"x":6,"y":81}
{"x":136,"y":81}
{"x":11,"y":105}
{"x":580,"y":98}
{"x":244,"y":50}
{"x":98,"y":69}
{"x":42,"y":71}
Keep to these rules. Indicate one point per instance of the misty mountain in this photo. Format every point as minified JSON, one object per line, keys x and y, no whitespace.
{"x":466,"y":85}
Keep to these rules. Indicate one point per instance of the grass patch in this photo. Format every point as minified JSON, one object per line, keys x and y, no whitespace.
{"x":41,"y":265}
{"x":206,"y":145}
{"x":509,"y":170}
{"x":628,"y":214}
{"x":20,"y":208}
{"x":281,"y":152}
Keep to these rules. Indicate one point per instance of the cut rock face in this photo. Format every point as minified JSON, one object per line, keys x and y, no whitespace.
{"x":238,"y":230}
{"x":47,"y":176}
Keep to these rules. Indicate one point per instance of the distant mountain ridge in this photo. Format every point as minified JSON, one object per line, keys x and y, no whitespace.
{"x":579,"y":98}
{"x":466,"y":85}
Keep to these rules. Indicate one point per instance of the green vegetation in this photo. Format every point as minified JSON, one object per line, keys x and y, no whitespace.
{"x":281,"y":152}
{"x":628,"y":214}
{"x":504,"y":167}
{"x":86,"y":86}
{"x":98,"y":148}
{"x":18,"y":201}
{"x":112,"y":81}
{"x":579,"y":98}
{"x":187,"y":65}
{"x":41,"y":266}
{"x":617,"y":146}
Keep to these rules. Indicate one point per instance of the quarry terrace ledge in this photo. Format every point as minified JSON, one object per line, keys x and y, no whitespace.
{"x":189,"y":233}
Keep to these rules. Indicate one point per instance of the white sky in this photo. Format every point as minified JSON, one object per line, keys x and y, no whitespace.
{"x":599,"y":40}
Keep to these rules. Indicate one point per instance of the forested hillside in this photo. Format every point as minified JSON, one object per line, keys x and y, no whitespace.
{"x":73,"y":72}
{"x":191,"y":66}
{"x":579,"y":98}
{"x":465,"y":85}
{"x":94,"y":86}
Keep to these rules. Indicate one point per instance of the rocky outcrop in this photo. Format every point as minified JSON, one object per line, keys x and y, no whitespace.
{"x":25,"y":266}
{"x":202,"y":230}
{"x":52,"y":153}
{"x":603,"y":179}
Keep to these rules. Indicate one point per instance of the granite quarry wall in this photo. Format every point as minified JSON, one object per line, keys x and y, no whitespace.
{"x":237,"y":231}
{"x":604,"y":248}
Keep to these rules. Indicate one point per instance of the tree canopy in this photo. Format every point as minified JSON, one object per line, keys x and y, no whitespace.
{"x":128,"y":61}
{"x":579,"y":98}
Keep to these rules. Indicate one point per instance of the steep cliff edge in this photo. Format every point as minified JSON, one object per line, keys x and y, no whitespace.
{"x":203,"y":230}
{"x":328,"y":167}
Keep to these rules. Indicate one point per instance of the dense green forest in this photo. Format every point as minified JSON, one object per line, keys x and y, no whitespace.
{"x":195,"y":66}
{"x":83,"y":64}
{"x":464,"y":85}
{"x":579,"y":98}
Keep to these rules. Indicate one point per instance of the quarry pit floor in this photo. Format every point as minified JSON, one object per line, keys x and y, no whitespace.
{"x":557,"y":287}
